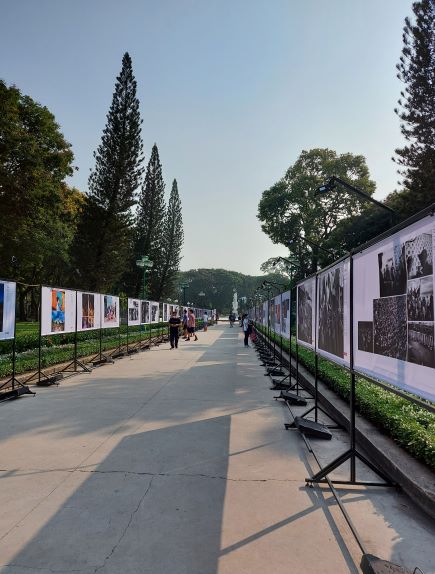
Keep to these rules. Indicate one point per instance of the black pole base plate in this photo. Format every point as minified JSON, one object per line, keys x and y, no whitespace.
{"x":278,"y":386}
{"x":311,"y":428}
{"x":277,"y":372}
{"x":292,"y":398}
{"x":15,"y":393}
{"x":47,"y":381}
{"x":373,"y":565}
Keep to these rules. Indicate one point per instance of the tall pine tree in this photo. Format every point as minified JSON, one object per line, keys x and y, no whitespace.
{"x":104,"y":239}
{"x":150,"y":224}
{"x":416,"y":111}
{"x":172,"y":243}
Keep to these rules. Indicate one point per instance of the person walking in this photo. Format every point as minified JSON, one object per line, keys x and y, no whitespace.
{"x":174,"y":330}
{"x":191,"y":322}
{"x":246,"y":328}
{"x":205,"y":321}
{"x":185,"y":330}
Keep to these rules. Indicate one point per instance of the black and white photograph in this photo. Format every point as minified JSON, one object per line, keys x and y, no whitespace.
{"x":365,"y":336}
{"x":390,"y":327}
{"x":331,"y":311}
{"x":145,"y":312}
{"x":419,"y":256}
{"x":133,"y":311}
{"x":420,"y":344}
{"x":305,"y":312}
{"x":420,"y":299}
{"x":392,"y":271}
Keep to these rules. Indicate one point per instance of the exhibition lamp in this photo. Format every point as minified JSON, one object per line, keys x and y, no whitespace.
{"x":331,"y":185}
{"x":310,"y":243}
{"x":144,"y":263}
{"x":184,"y":286}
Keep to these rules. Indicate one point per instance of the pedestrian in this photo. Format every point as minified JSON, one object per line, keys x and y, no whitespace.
{"x":232,"y":318}
{"x":205,"y":321}
{"x":174,"y":329}
{"x":246,"y":328}
{"x":191,"y":322}
{"x":185,"y":330}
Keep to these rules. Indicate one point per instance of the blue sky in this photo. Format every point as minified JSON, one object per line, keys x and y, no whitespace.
{"x":231,"y":91}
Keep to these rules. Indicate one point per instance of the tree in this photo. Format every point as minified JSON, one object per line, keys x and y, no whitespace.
{"x":36,"y":207}
{"x":150,"y":219}
{"x":171,"y":244}
{"x":416,"y":69}
{"x":104,"y":240}
{"x":291,"y":208}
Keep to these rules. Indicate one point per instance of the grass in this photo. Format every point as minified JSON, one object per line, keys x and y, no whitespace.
{"x":410,"y":426}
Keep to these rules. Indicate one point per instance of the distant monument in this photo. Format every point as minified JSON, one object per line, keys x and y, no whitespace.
{"x":235,"y":304}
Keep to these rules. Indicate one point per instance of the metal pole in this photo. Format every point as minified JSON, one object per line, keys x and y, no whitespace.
{"x":75,"y":340}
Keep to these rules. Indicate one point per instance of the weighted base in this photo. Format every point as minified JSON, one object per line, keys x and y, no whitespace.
{"x":276,"y":371}
{"x":292,"y":398}
{"x":48,"y":381}
{"x":373,"y":565}
{"x":15,"y":393}
{"x":311,"y":428}
{"x":278,"y":386}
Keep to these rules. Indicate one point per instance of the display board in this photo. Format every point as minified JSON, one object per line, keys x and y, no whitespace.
{"x":133,"y":316}
{"x":305,"y":312}
{"x":155,"y":311}
{"x":58,"y":311}
{"x":88,"y":311}
{"x":393,"y":285}
{"x":109,"y":311}
{"x":8,"y":294}
{"x":277,"y":315}
{"x":144,"y":312}
{"x":265,"y":313}
{"x":285,"y":314}
{"x":166,"y":312}
{"x":333,"y":306}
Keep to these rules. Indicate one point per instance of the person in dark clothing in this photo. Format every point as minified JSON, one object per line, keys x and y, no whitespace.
{"x":174,"y":326}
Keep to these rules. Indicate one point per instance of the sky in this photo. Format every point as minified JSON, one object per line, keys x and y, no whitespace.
{"x":232,"y":91}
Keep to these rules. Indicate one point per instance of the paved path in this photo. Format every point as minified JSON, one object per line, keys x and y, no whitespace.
{"x":167,"y":462}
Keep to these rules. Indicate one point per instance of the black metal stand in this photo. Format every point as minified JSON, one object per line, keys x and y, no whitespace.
{"x":352,"y":454}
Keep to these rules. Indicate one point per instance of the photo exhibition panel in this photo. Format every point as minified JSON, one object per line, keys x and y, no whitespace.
{"x":8,"y":291}
{"x":58,"y":311}
{"x":88,"y":311}
{"x":306,"y":292}
{"x":394,"y":309}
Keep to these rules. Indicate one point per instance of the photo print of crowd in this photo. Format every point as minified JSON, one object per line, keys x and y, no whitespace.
{"x":331,"y":311}
{"x":403,"y":315}
{"x":305,"y":312}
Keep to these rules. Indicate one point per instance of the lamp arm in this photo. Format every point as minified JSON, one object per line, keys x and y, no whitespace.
{"x":335,"y":179}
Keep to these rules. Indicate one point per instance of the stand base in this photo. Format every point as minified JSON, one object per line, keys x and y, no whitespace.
{"x":311,"y":428}
{"x":292,"y":398}
{"x":373,"y":565}
{"x":47,"y":381}
{"x":15,"y":393}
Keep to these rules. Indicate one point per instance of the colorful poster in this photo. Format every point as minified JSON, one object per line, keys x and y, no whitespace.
{"x":58,"y":311}
{"x":144,"y":312}
{"x":8,"y":291}
{"x":285,"y":314}
{"x":155,"y":313}
{"x":133,"y":312}
{"x":393,"y":326}
{"x":109,"y":311}
{"x":88,"y":311}
{"x":305,"y":312}
{"x":333,"y":296}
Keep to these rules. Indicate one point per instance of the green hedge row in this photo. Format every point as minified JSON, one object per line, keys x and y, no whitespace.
{"x":409,"y":425}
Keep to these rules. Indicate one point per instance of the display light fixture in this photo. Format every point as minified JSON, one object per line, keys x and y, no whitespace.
{"x":311,"y":243}
{"x":144,"y":263}
{"x":332,"y":184}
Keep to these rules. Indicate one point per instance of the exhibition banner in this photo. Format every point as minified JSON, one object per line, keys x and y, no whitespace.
{"x":133,"y":316}
{"x":155,"y":311}
{"x":166,"y":312}
{"x":265,"y":313}
{"x":393,"y":284}
{"x":333,"y":305}
{"x":285,"y":314}
{"x":277,"y":315}
{"x":305,"y":312}
{"x":8,"y":294}
{"x":58,"y":311}
{"x":88,"y":311}
{"x":109,"y":311}
{"x":144,"y":312}
{"x":272,"y":314}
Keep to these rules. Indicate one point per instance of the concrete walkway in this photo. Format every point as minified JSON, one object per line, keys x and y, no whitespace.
{"x":171,"y":462}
